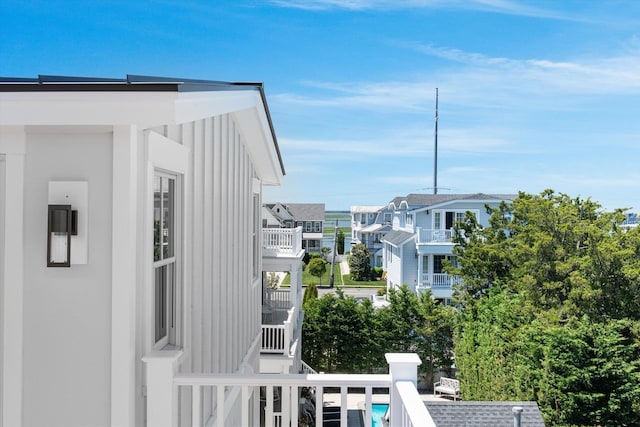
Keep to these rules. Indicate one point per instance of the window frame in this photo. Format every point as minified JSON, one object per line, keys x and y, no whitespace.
{"x":174,"y":290}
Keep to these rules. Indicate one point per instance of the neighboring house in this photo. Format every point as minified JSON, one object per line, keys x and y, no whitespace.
{"x":421,"y":239}
{"x":369,"y":224}
{"x":631,"y":220}
{"x":308,"y":216}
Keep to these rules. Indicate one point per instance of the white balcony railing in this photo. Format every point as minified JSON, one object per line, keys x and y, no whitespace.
{"x":277,"y":338}
{"x":434,"y":236}
{"x":306,"y":369}
{"x":278,"y":299}
{"x":214,"y":396}
{"x":439,"y":280}
{"x":281,"y":241}
{"x":278,"y":335}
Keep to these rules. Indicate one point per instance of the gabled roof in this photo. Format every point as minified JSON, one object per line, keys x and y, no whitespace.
{"x":366,"y":209}
{"x":397,"y":237}
{"x":483,"y":414}
{"x":306,"y":211}
{"x":376,"y":228}
{"x":425,"y":200}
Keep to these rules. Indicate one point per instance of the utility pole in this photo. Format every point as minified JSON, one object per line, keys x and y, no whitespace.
{"x":435,"y":155}
{"x":333,"y":255}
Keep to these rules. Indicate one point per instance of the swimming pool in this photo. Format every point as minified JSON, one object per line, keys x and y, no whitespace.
{"x":377,"y":411}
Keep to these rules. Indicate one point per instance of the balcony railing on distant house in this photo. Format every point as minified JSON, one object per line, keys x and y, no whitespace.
{"x":212,"y":396}
{"x":281,"y":241}
{"x":426,"y":235}
{"x":439,"y":280}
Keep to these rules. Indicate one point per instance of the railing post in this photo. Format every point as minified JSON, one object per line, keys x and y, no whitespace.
{"x":161,"y":392}
{"x":287,"y":335}
{"x":402,"y":367}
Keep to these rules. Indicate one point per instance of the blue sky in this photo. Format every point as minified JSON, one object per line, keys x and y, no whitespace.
{"x":533,"y":94}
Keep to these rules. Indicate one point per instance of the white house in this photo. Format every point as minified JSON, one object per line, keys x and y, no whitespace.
{"x":369,"y":224}
{"x":421,"y":238}
{"x":308,"y":216}
{"x":132,"y":259}
{"x":154,"y":168}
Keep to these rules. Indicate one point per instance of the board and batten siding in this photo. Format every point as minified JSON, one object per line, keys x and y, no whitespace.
{"x":222,"y":297}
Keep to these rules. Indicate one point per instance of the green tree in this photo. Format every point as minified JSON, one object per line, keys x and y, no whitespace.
{"x":325,"y":250}
{"x":272,"y":280}
{"x":310,"y":293}
{"x":340,"y":242}
{"x":317,"y":267}
{"x":343,"y":335}
{"x":359,"y":266}
{"x":592,"y":374}
{"x":549,"y":309}
{"x":336,"y":334}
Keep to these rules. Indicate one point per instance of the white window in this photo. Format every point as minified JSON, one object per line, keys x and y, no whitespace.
{"x":317,"y":227}
{"x":451,"y":218}
{"x":308,"y":226}
{"x":167,"y":289}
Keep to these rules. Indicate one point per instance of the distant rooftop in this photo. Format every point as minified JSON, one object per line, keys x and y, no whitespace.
{"x":483,"y":414}
{"x":306,"y":211}
{"x":366,"y":209}
{"x":423,"y":200}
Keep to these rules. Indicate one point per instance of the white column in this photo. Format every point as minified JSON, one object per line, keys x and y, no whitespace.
{"x":162,"y":402}
{"x":13,"y":145}
{"x":420,"y":269}
{"x":123,"y":276}
{"x":402,"y":367}
{"x":296,"y":282}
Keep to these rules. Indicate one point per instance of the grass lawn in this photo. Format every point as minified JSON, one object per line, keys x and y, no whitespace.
{"x":348,"y":283}
{"x":329,"y":231}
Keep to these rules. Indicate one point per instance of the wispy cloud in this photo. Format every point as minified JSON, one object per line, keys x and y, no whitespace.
{"x":495,"y":6}
{"x":477,"y":79}
{"x":588,"y":75}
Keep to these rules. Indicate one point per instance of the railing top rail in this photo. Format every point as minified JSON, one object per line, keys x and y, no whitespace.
{"x":413,"y":405}
{"x":307,"y":380}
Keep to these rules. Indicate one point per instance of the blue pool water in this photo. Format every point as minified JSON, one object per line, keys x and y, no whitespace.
{"x":377,"y":411}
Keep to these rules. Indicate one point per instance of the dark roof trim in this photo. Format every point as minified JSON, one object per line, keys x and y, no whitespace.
{"x":46,"y":83}
{"x":133,"y":83}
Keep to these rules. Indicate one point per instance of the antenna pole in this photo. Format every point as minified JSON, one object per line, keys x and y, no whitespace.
{"x":435,"y":155}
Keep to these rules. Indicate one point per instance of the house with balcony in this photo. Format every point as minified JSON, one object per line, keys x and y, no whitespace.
{"x":132,"y":261}
{"x":369,"y":224}
{"x":281,"y":314}
{"x":308,"y":216}
{"x":421,"y":240}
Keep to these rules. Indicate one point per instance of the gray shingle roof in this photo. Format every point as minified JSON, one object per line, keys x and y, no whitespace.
{"x":424,"y":200}
{"x":483,"y":414}
{"x":306,"y":211}
{"x":397,"y":237}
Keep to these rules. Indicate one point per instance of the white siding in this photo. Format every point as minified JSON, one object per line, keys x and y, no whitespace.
{"x":67,"y":311}
{"x":225,"y":302}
